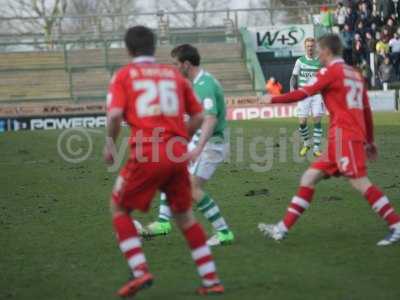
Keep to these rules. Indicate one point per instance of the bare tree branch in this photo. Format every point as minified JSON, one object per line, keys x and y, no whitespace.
{"x":117,"y":7}
{"x":83,"y":25}
{"x":42,"y":15}
{"x":198,"y":17}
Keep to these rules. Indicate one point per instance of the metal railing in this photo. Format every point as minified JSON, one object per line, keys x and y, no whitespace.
{"x":73,"y":62}
{"x":113,"y":25}
{"x":252,"y":63}
{"x":218,"y":25}
{"x":26,"y":44}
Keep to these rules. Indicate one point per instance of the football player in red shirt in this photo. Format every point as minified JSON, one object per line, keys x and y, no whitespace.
{"x":153,"y":99}
{"x":350,"y":141}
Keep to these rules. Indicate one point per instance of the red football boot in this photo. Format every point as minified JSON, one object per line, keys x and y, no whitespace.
{"x":134,"y":285}
{"x":211,"y":290}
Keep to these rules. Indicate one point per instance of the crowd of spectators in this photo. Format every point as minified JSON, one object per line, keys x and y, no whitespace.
{"x":366,"y":28}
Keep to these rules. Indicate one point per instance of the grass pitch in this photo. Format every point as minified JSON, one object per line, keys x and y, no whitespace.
{"x":56,"y":240}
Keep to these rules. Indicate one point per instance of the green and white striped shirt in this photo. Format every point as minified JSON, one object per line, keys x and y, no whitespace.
{"x":306,"y":69}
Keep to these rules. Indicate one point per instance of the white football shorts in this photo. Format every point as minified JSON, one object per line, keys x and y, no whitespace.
{"x":311,"y":106}
{"x":212,"y":156}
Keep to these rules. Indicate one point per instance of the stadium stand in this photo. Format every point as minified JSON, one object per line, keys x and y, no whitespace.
{"x":84,"y":74}
{"x":365,"y":31}
{"x":33,"y":75}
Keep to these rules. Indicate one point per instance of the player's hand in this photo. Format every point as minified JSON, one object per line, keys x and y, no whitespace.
{"x":194,"y":154}
{"x":266,"y":99}
{"x":372,"y":151}
{"x":108,"y":153}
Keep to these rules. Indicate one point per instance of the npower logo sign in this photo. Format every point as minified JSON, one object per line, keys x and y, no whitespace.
{"x":270,"y":111}
{"x":287,"y":38}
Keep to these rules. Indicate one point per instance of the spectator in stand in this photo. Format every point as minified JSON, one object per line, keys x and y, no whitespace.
{"x":360,"y":28}
{"x":382,"y":48}
{"x":373,"y":29}
{"x":366,"y":72}
{"x":347,"y":37}
{"x":327,"y":18}
{"x":386,"y":9}
{"x":385,"y":34}
{"x":370,"y":43}
{"x":340,"y":15}
{"x":394,"y":45}
{"x":359,"y":53}
{"x":273,"y":87}
{"x":351,"y":18}
{"x":363,"y":13}
{"x":386,"y":73}
{"x":352,"y":3}
{"x":377,"y":37}
{"x":376,"y":18}
{"x":367,"y":30}
{"x":370,"y":4}
{"x":394,"y":18}
{"x":391,"y":26}
{"x":398,"y":12}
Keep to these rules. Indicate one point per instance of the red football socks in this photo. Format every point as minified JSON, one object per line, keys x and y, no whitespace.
{"x":130,"y":244}
{"x":299,"y":204}
{"x":381,"y":205}
{"x":201,"y":254}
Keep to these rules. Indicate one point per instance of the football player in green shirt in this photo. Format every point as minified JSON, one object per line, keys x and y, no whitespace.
{"x":304,"y":72}
{"x":208,"y":147}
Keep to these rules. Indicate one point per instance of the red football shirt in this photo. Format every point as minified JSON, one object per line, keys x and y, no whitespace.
{"x":345,"y":97}
{"x":152,"y":96}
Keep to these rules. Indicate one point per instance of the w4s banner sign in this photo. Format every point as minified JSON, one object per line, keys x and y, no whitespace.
{"x":288,"y":38}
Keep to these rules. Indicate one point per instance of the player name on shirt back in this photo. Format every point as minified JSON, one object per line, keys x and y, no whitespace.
{"x":154,"y":71}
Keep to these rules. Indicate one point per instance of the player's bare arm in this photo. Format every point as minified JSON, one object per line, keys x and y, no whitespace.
{"x":194,"y":123}
{"x":371,"y":149}
{"x":207,"y":129}
{"x":266,"y":99}
{"x":294,"y":82}
{"x":114,"y":118}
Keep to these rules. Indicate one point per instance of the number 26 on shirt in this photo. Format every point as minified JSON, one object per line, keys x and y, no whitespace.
{"x":156,"y":98}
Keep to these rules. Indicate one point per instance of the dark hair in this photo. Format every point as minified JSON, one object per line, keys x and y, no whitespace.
{"x":140,"y":40}
{"x":186,"y":52}
{"x":332,"y":42}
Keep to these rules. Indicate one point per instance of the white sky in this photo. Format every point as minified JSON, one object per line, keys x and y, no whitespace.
{"x":149,"y":5}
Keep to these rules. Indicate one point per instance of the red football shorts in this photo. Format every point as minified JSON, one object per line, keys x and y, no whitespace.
{"x":345,"y":158}
{"x":139,"y":181}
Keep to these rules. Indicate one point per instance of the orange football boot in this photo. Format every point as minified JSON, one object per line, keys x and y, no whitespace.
{"x":211,"y":290}
{"x":134,"y":285}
